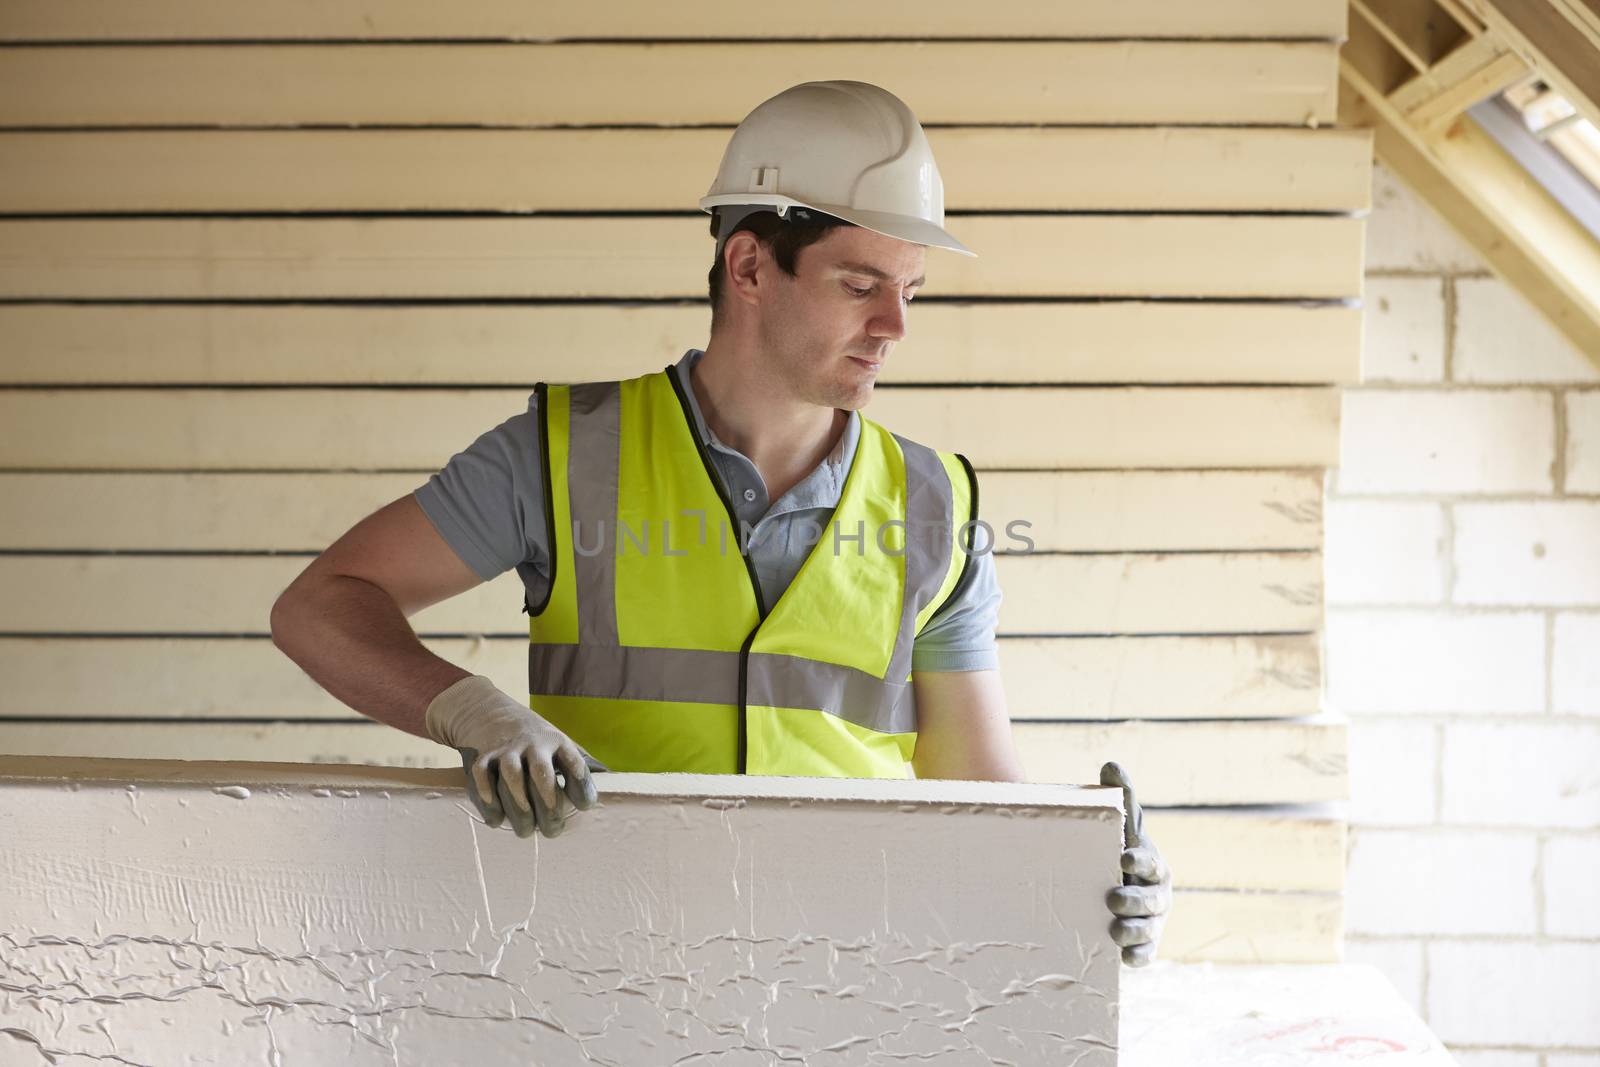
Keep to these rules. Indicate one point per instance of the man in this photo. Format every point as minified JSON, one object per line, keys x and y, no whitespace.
{"x":812,"y":601}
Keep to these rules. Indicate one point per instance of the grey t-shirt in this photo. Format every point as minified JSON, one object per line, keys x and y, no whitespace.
{"x":488,"y":504}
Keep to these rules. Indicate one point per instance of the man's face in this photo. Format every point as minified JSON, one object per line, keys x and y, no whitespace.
{"x":825,"y":331}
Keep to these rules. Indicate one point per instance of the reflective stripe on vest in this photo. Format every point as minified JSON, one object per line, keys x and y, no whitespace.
{"x":654,"y":650}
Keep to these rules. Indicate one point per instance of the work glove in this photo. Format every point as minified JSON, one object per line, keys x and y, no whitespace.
{"x":504,"y":748}
{"x":1141,"y":902}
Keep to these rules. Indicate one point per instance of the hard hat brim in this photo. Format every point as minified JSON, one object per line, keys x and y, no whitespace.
{"x":901,"y":227}
{"x":904,"y":227}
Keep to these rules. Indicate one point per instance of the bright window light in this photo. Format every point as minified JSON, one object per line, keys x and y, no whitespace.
{"x":1558,"y":147}
{"x":1550,"y":117}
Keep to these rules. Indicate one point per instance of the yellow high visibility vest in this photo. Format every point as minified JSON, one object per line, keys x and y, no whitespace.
{"x":653,"y":649}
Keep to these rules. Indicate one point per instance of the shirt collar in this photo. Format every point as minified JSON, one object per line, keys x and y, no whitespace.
{"x":822,"y":487}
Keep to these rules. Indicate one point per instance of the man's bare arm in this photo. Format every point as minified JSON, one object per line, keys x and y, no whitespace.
{"x":963,"y":728}
{"x":343,"y":619}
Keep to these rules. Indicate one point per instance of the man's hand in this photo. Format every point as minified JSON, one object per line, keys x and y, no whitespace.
{"x":504,"y":747}
{"x":1146,"y":892}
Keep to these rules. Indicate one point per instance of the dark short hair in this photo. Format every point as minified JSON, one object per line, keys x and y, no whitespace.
{"x":785,"y":237}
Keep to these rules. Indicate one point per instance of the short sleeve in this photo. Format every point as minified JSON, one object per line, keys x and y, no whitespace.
{"x":488,"y":501}
{"x":961,"y":635}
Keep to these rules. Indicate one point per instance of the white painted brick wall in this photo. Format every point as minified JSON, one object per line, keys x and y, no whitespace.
{"x":1403,"y":234}
{"x":1500,"y":337}
{"x":1575,"y":673}
{"x":1403,"y":330}
{"x":1399,"y":959}
{"x":1583,"y":441}
{"x":1495,"y":1058}
{"x":1514,"y":993}
{"x":1412,"y":882}
{"x":1476,"y":691}
{"x":1522,"y":774}
{"x":1534,"y":553}
{"x":1384,"y":552}
{"x":1466,"y":441}
{"x":1572,"y":886}
{"x":1434,"y":661}
{"x":1393,"y":769}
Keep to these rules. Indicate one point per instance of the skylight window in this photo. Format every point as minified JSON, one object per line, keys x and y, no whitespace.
{"x":1557,"y":145}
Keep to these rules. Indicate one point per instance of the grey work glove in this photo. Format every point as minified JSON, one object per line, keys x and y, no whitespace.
{"x":1141,"y":902}
{"x":504,"y":747}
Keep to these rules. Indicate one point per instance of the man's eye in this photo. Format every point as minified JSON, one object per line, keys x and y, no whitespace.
{"x":857,"y":292}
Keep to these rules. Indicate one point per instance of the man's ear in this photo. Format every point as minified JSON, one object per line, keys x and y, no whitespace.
{"x":741,"y":266}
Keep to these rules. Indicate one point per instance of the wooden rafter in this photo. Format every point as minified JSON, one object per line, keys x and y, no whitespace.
{"x":1476,"y":71}
{"x":1469,"y":22}
{"x":1436,"y":70}
{"x":1560,"y":38}
{"x":1413,"y":27}
{"x":1415,"y":101}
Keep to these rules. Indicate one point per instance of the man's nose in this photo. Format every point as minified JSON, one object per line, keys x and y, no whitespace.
{"x":889,"y":320}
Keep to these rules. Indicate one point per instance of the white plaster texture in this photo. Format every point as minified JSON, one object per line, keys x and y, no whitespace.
{"x":240,"y":914}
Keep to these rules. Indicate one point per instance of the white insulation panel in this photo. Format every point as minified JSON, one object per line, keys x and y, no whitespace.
{"x":183,"y":914}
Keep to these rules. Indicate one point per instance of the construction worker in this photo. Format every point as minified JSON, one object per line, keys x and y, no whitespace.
{"x":727,"y":568}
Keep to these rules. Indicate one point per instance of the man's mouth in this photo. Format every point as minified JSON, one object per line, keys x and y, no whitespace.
{"x":865,"y":362}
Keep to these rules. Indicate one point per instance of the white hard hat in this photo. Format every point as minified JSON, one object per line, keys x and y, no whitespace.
{"x":845,"y":148}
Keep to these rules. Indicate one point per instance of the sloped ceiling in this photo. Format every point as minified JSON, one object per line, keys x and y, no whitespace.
{"x":1411,"y":69}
